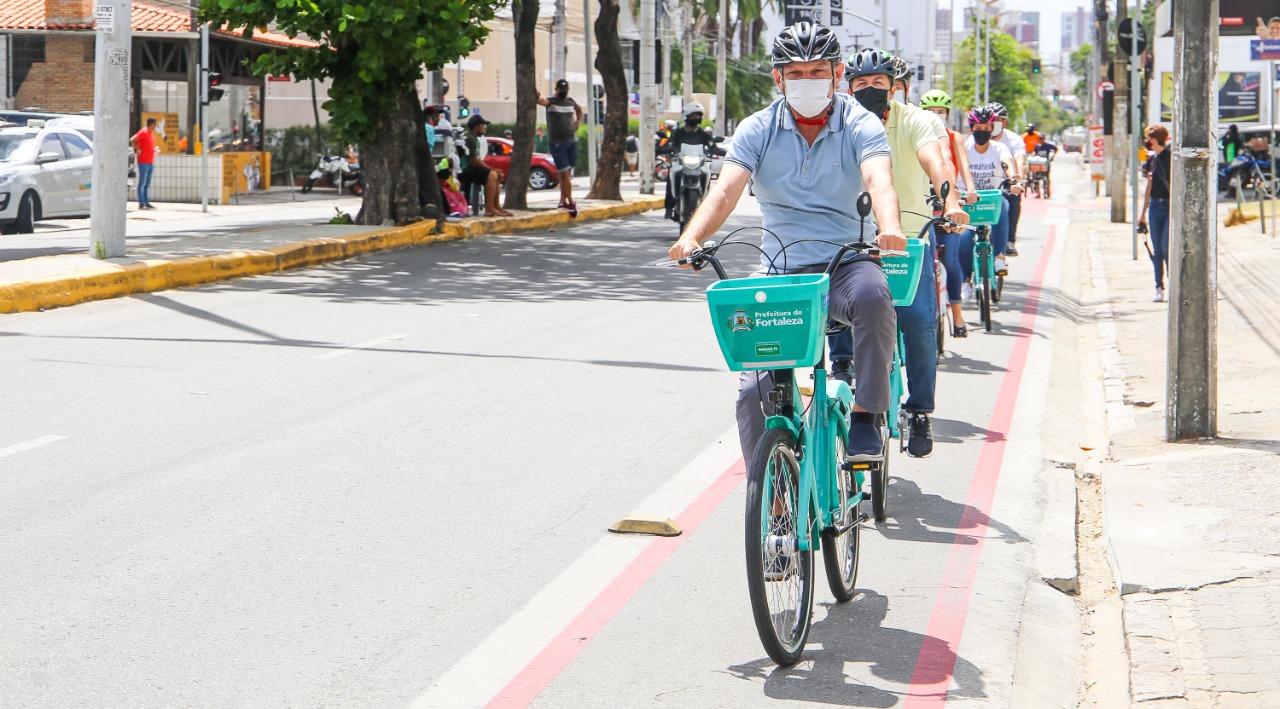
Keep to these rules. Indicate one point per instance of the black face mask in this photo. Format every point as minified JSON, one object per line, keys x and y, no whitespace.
{"x":982,"y":137}
{"x":562,"y":93}
{"x":693,"y":123}
{"x":874,"y":100}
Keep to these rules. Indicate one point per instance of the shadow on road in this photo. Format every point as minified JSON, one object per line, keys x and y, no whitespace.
{"x":854,"y":633}
{"x":919,"y":517}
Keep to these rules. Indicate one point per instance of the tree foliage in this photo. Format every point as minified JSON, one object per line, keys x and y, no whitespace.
{"x":369,"y":49}
{"x":748,"y":83}
{"x":1081,"y":58}
{"x":1012,"y":82}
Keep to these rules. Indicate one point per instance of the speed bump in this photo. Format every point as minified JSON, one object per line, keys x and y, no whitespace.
{"x":644,"y":524}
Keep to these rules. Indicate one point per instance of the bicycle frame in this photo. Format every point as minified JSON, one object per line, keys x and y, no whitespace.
{"x":982,"y":247}
{"x":814,"y":431}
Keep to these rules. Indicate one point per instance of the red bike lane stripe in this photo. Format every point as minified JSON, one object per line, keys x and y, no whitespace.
{"x":936,"y":661}
{"x":526,"y":686}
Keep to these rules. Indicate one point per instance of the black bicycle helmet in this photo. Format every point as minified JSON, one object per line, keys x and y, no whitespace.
{"x":901,"y":72}
{"x":981,"y":114}
{"x":805,"y":42}
{"x":869,"y":61}
{"x":998,"y":110}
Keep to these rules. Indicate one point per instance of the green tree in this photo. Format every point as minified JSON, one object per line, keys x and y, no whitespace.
{"x":748,"y":82}
{"x":525,"y":16}
{"x":608,"y":182}
{"x":1012,"y":82}
{"x":373,"y":52}
{"x":1081,"y":58}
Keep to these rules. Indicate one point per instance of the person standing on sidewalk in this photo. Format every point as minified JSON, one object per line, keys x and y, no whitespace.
{"x":144,"y":144}
{"x":564,"y":115}
{"x":1157,"y":200}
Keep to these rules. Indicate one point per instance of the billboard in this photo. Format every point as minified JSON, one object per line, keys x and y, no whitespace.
{"x":1238,"y":93}
{"x":1248,"y":17}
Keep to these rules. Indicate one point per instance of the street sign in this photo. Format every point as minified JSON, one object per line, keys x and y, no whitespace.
{"x":1104,"y":86}
{"x":1097,"y":153}
{"x":1128,"y":28}
{"x":105,"y":18}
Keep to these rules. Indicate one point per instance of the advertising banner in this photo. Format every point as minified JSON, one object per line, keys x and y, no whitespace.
{"x":1249,"y":17}
{"x":1097,"y":153}
{"x":1238,"y":96}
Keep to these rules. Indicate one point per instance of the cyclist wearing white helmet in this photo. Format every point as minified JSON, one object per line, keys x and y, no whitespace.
{"x":690,"y":133}
{"x":808,"y":156}
{"x":1018,"y":149}
{"x":918,"y":164}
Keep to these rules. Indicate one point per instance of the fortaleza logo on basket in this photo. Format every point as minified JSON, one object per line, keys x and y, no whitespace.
{"x":741,"y":322}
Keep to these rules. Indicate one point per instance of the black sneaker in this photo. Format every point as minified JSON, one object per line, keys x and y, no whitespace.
{"x":959,"y":332}
{"x":843,"y":370}
{"x":920,"y":442}
{"x":864,"y":440}
{"x":1012,"y":250}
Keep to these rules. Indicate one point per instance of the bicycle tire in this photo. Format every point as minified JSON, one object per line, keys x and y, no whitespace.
{"x":791,"y":619}
{"x":984,"y":304}
{"x":880,"y":488}
{"x":941,"y":325}
{"x":840,"y":552}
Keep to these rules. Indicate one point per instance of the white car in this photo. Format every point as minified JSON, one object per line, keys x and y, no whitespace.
{"x":44,"y":172}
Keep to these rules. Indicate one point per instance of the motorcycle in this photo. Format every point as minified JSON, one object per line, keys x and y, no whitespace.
{"x":690,"y":176}
{"x":339,"y":172}
{"x":662,"y":167}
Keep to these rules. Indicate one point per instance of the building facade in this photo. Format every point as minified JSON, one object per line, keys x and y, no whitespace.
{"x":1076,"y":29}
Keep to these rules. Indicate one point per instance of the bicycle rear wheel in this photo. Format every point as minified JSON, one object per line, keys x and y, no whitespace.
{"x":840,"y":549}
{"x":779,"y":575}
{"x":984,"y":302}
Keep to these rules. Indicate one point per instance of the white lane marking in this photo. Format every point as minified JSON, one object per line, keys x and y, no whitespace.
{"x":33,"y":443}
{"x":476,"y":678}
{"x":361,"y":346}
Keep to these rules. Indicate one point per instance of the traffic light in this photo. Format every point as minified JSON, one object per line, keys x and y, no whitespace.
{"x":212,"y":92}
{"x":1035,"y":66}
{"x":464,"y":107}
{"x":919,"y":72}
{"x":1057,"y":94}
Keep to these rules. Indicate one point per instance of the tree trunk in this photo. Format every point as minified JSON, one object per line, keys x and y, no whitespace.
{"x":525,"y":17}
{"x":609,"y":64}
{"x":400,"y":185}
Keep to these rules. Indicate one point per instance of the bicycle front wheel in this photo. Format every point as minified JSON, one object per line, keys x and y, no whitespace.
{"x":779,"y":575}
{"x":984,"y":303}
{"x":840,"y":549}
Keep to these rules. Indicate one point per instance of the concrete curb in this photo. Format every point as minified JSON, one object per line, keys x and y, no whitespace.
{"x":113,"y":280}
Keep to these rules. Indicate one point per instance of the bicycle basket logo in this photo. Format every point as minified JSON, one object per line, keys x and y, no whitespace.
{"x":741,"y":322}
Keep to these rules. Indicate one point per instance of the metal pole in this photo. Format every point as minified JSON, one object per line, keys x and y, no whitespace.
{"x":1272,"y":148}
{"x":722,"y":59}
{"x":686,"y":74}
{"x":986,"y":91}
{"x":204,"y":117}
{"x":559,"y":46}
{"x":648,"y":94}
{"x":884,"y":24}
{"x":1135,"y":130}
{"x":108,"y":201}
{"x":1192,"y":375}
{"x":977,"y":39}
{"x":1119,"y":128}
{"x":591,"y":91}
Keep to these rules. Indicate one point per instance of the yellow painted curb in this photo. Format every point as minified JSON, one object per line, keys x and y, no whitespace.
{"x":112,"y":280}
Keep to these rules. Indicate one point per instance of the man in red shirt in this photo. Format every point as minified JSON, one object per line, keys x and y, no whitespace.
{"x":144,"y":144}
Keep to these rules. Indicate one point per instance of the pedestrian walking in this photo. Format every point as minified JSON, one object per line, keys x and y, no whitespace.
{"x":144,"y":144}
{"x":632,"y":153}
{"x":564,"y":115}
{"x":1157,"y":201}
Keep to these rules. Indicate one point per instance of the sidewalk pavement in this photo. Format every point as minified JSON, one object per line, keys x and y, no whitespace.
{"x":178,"y":246}
{"x":1191,"y":527}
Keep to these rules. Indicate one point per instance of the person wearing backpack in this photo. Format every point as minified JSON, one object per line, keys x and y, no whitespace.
{"x":632,"y":153}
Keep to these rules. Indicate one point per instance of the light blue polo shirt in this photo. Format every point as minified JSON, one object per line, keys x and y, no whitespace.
{"x":808,"y":191}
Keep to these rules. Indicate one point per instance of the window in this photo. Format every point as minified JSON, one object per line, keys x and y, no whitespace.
{"x":26,"y":50}
{"x":75,"y":145}
{"x":12,"y":142}
{"x":51,"y":144}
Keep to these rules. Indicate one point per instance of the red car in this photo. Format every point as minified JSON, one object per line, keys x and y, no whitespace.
{"x":543,"y":175}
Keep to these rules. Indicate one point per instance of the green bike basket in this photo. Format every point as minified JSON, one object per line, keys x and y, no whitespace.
{"x":986,"y":211}
{"x":770,"y":322}
{"x":903,"y":272}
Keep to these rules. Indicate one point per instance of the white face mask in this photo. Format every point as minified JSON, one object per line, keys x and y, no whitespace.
{"x":808,"y":97}
{"x":997,"y":129}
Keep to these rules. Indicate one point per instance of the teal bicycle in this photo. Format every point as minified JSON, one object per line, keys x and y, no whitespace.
{"x":802,"y":495}
{"x":987,"y":285}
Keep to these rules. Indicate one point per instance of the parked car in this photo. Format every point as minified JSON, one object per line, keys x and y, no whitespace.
{"x":1073,"y":139}
{"x":543,"y":175}
{"x":81,"y":124}
{"x":44,"y":172}
{"x":27,"y":115}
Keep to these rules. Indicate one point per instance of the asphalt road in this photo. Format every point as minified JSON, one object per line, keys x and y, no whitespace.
{"x":386,"y":482}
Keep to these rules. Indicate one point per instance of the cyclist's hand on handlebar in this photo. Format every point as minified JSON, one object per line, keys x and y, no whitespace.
{"x":891,"y":242}
{"x":1015,"y":188}
{"x":971,"y":197}
{"x":959,"y":216}
{"x":683,"y":247}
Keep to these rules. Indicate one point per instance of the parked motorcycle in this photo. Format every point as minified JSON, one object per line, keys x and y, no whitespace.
{"x":339,"y":172}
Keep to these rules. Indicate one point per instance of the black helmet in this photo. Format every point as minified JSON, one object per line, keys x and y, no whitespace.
{"x":869,"y":61}
{"x":805,"y":42}
{"x":1031,"y":127}
{"x":998,"y":110}
{"x":901,"y":72}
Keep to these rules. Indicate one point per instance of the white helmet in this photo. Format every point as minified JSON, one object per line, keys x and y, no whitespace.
{"x":691,"y":108}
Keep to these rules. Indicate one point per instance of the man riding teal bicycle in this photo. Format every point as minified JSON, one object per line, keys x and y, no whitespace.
{"x":808,"y":156}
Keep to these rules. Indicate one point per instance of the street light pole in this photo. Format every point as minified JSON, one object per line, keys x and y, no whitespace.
{"x":648,"y":97}
{"x":591,"y":91}
{"x":1191,"y":378}
{"x":109,"y":199}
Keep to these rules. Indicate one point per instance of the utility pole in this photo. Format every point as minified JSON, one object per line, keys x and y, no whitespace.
{"x":664,"y":33}
{"x":1191,"y":382}
{"x":204,"y":116}
{"x":559,"y":47}
{"x":109,"y":199}
{"x":648,"y":94}
{"x":1119,"y":154}
{"x":977,"y":40}
{"x":722,"y":58}
{"x":591,"y":90}
{"x":1100,"y":47}
{"x":986,"y":91}
{"x":884,"y":25}
{"x":687,"y":54}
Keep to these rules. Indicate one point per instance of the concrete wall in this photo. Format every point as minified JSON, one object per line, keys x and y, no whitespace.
{"x":64,"y":81}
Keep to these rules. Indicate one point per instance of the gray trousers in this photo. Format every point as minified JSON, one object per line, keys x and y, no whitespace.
{"x":859,"y":297}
